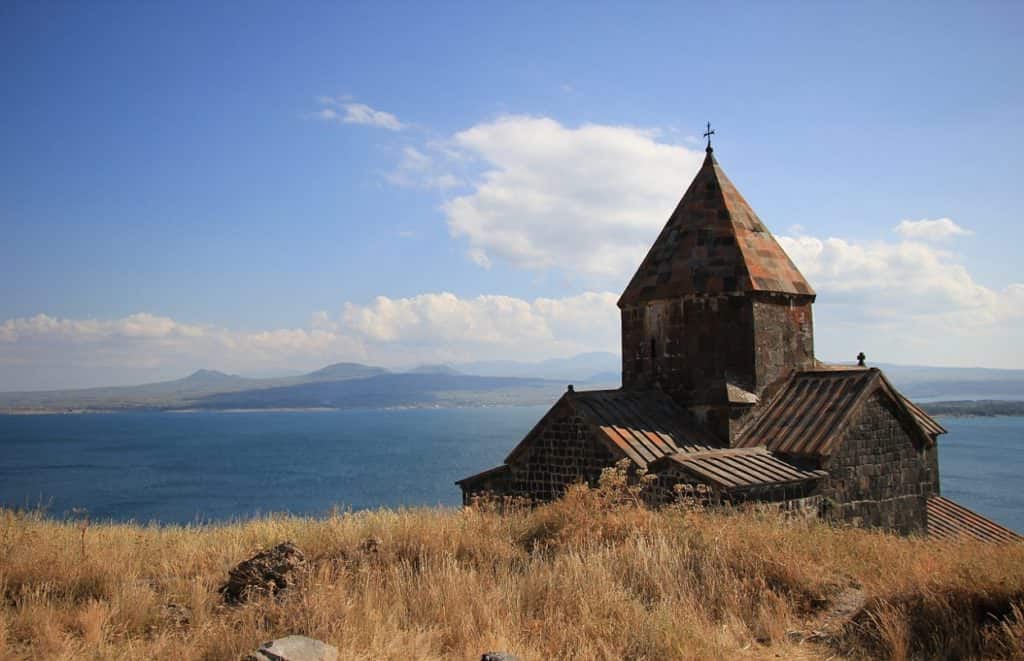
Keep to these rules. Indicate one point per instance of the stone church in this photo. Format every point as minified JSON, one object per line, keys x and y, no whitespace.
{"x":723,"y":398}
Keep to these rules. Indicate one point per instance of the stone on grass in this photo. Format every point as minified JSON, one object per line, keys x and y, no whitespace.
{"x":294,"y":648}
{"x":498,"y":656}
{"x":266,"y":573}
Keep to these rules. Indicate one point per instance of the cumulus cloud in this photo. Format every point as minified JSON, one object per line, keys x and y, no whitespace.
{"x":586,"y":200}
{"x":387,"y":331}
{"x":915,"y":275}
{"x":141,"y":325}
{"x":909,"y":300}
{"x":930,"y":230}
{"x":346,"y":111}
{"x":445,"y":323}
{"x":147,"y":340}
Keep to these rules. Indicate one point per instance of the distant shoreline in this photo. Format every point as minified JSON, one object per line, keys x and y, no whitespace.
{"x":312,"y":409}
{"x":981,"y":408}
{"x":975,"y":408}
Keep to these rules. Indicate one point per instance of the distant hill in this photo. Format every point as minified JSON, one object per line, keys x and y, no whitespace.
{"x":579,"y":368}
{"x":963,"y":383}
{"x":604,"y":379}
{"x":341,"y":385}
{"x":434,"y":369}
{"x":161,"y":394}
{"x":342,"y":371}
{"x":202,"y":378}
{"x":467,"y":384}
{"x":176,"y":394}
{"x":985,"y":408}
{"x":391,"y":390}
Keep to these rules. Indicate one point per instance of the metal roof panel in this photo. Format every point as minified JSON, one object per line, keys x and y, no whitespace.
{"x":810,"y":413}
{"x":948,"y":520}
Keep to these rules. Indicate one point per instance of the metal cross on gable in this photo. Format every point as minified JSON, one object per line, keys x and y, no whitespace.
{"x":707,"y":134}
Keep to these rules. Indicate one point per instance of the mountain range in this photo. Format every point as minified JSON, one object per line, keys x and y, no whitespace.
{"x":340,"y":385}
{"x":354,"y":385}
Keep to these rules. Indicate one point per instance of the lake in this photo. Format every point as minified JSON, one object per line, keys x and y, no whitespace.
{"x":199,"y":467}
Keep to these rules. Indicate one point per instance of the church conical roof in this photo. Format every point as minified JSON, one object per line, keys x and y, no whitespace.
{"x":713,"y":243}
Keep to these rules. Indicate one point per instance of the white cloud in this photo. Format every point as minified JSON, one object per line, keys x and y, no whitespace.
{"x":419,"y":170}
{"x":327,"y":114}
{"x":930,"y":230}
{"x":908,"y":301}
{"x":359,"y":113}
{"x":146,"y":340}
{"x":387,"y":331}
{"x":544,"y":327}
{"x":588,"y":201}
{"x":355,"y":113}
{"x":140,"y":325}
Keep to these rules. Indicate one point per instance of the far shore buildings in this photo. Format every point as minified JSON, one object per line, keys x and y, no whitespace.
{"x":722,"y":395}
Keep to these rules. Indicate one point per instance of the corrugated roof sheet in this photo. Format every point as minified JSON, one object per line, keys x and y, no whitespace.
{"x":928,"y":423}
{"x":713,"y":243}
{"x":740,"y":468}
{"x":645,"y":425}
{"x":809,"y":415}
{"x":948,"y":520}
{"x":489,"y":473}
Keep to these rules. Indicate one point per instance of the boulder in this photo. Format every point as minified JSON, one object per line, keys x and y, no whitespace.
{"x":498,"y":656}
{"x":294,"y":648}
{"x":371,"y":545}
{"x":267,"y":572}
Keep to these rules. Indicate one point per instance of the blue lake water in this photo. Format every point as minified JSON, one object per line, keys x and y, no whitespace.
{"x":188,"y":467}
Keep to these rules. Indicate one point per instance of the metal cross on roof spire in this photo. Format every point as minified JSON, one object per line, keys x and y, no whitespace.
{"x":710,"y":132}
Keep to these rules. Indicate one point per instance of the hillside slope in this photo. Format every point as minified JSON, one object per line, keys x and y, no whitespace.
{"x":590,"y":577}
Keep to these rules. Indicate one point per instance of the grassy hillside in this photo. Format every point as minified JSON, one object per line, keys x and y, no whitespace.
{"x":590,"y":577}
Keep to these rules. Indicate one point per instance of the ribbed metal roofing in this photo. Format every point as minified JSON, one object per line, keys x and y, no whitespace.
{"x":810,"y":414}
{"x":948,"y":520}
{"x":740,"y":468}
{"x":490,"y":472}
{"x":645,"y":425}
{"x":713,"y":243}
{"x":927,"y":422}
{"x":807,"y":417}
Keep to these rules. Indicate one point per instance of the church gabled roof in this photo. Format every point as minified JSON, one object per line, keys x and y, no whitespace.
{"x":951,"y":521}
{"x":713,"y":243}
{"x":811,"y":413}
{"x":739,"y":468}
{"x":641,"y":425}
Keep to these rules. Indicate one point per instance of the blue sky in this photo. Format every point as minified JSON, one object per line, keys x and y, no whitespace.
{"x":260,"y":187}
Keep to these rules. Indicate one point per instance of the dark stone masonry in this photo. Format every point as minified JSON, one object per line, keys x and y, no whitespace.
{"x":722,"y":400}
{"x":880,"y":477}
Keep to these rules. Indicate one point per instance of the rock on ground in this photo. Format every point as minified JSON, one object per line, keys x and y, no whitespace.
{"x":267,"y":572}
{"x":294,"y":648}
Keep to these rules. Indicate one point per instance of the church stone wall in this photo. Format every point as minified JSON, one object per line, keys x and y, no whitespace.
{"x":563,"y":452}
{"x":784,"y":332}
{"x":689,"y":347}
{"x":879,"y":477}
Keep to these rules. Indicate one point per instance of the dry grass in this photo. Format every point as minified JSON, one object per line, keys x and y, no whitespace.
{"x":590,"y":577}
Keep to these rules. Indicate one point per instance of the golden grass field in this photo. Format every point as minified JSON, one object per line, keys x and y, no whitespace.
{"x":593,"y":576}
